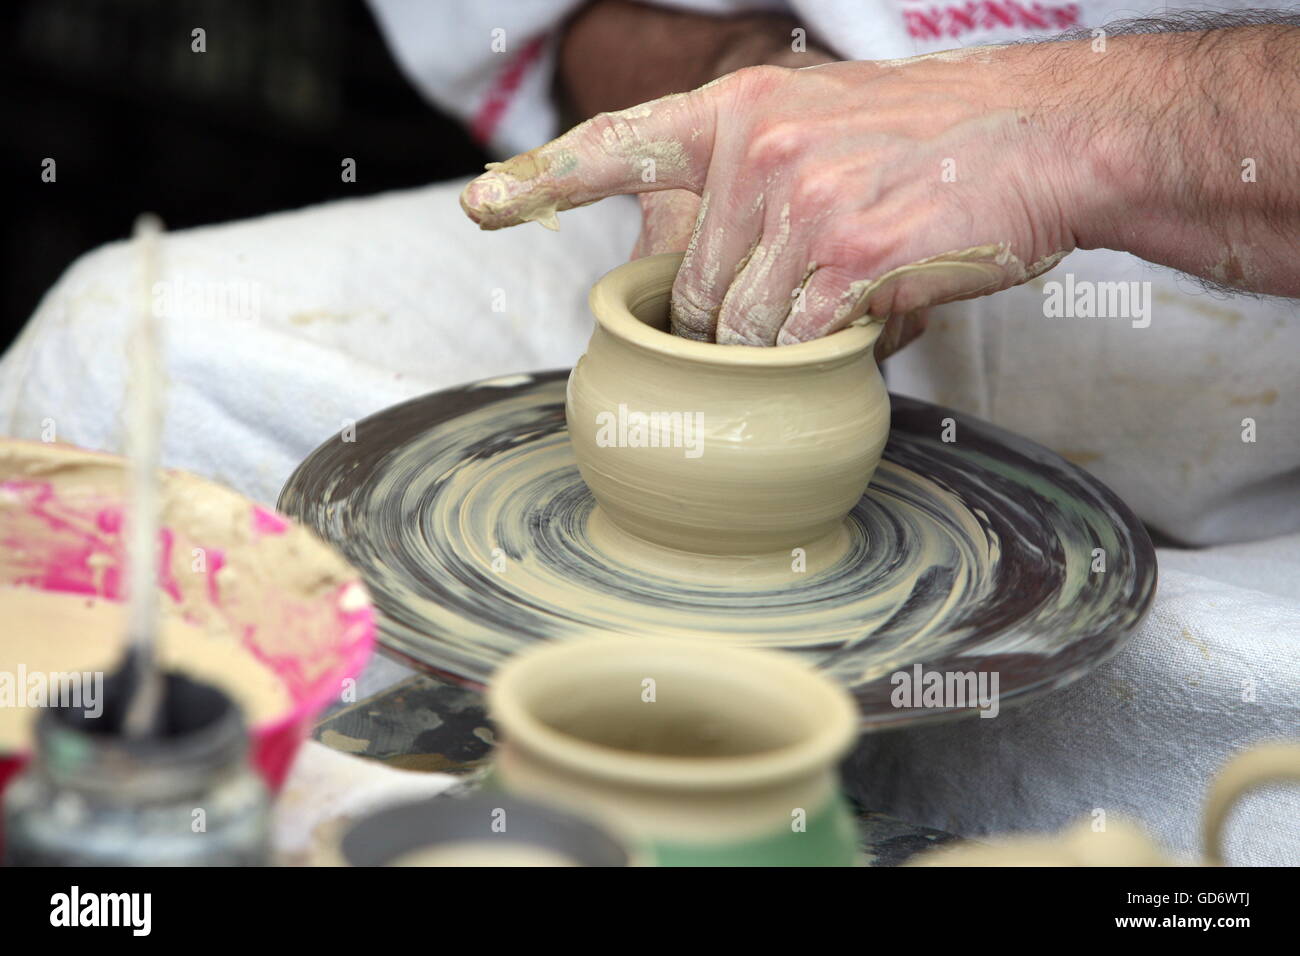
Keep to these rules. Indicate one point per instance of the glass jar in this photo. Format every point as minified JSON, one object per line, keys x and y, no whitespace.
{"x":183,"y":796}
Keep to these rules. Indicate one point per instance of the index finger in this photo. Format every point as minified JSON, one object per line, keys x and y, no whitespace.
{"x":663,"y":144}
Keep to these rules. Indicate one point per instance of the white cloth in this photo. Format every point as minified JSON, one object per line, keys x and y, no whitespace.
{"x":1160,"y":413}
{"x":1215,"y":667}
{"x":338,"y":311}
{"x":367,"y":302}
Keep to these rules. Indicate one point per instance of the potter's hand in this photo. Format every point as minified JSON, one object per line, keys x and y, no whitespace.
{"x":668,"y":221}
{"x":882,"y":187}
{"x":823,"y":191}
{"x":615,"y":53}
{"x":668,"y":216}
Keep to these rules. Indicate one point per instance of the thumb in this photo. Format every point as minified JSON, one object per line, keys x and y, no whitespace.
{"x":663,"y":144}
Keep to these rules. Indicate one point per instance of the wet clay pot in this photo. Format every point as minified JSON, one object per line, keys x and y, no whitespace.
{"x":720,"y":449}
{"x":694,"y":754}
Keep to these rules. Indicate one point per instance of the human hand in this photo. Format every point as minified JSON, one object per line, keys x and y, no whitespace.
{"x":826,"y":193}
{"x":667,"y":223}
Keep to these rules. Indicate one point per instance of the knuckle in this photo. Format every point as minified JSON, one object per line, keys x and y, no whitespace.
{"x":740,"y":331}
{"x":690,"y":322}
{"x":815,"y":188}
{"x":693,"y":305}
{"x":612,"y":133}
{"x":776,"y":144}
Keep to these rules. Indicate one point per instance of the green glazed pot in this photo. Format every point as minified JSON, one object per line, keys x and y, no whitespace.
{"x":696,"y":754}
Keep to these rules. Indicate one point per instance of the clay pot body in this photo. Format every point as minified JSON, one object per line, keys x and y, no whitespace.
{"x":720,"y":449}
{"x":696,"y":754}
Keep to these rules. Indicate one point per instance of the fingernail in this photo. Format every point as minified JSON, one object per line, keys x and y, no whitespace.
{"x":495,"y":201}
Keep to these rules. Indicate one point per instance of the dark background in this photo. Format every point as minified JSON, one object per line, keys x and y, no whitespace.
{"x":136,"y":121}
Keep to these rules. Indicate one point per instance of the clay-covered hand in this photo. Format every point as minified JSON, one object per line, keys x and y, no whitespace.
{"x":667,"y":222}
{"x":827,"y":193}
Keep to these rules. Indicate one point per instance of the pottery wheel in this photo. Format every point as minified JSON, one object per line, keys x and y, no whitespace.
{"x":465,"y":514}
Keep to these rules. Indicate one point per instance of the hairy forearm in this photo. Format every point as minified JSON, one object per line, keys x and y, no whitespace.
{"x":1188,"y":149}
{"x":616,"y":54}
{"x":1174,"y":139}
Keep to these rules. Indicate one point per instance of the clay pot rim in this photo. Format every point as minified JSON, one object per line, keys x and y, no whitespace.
{"x":834,"y":732}
{"x":625,"y":287}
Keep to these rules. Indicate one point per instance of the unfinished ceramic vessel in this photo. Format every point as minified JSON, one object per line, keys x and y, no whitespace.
{"x":697,"y":754}
{"x":720,"y":449}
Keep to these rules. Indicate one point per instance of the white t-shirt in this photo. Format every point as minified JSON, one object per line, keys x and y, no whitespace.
{"x":1184,"y":401}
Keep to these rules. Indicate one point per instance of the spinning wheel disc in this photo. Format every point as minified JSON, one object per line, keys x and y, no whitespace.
{"x":464,"y":512}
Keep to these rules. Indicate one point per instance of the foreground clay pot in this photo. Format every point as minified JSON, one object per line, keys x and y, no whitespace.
{"x":720,"y":449}
{"x":696,"y":754}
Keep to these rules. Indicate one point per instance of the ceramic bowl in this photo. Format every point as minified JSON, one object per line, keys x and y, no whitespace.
{"x":299,"y":608}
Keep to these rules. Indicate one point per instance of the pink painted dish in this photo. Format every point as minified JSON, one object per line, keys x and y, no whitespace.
{"x":227,"y":565}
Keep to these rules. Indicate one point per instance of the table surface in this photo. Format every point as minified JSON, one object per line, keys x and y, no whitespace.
{"x":429,"y":725}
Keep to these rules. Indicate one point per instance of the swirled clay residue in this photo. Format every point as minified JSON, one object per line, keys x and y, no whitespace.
{"x":468,"y":519}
